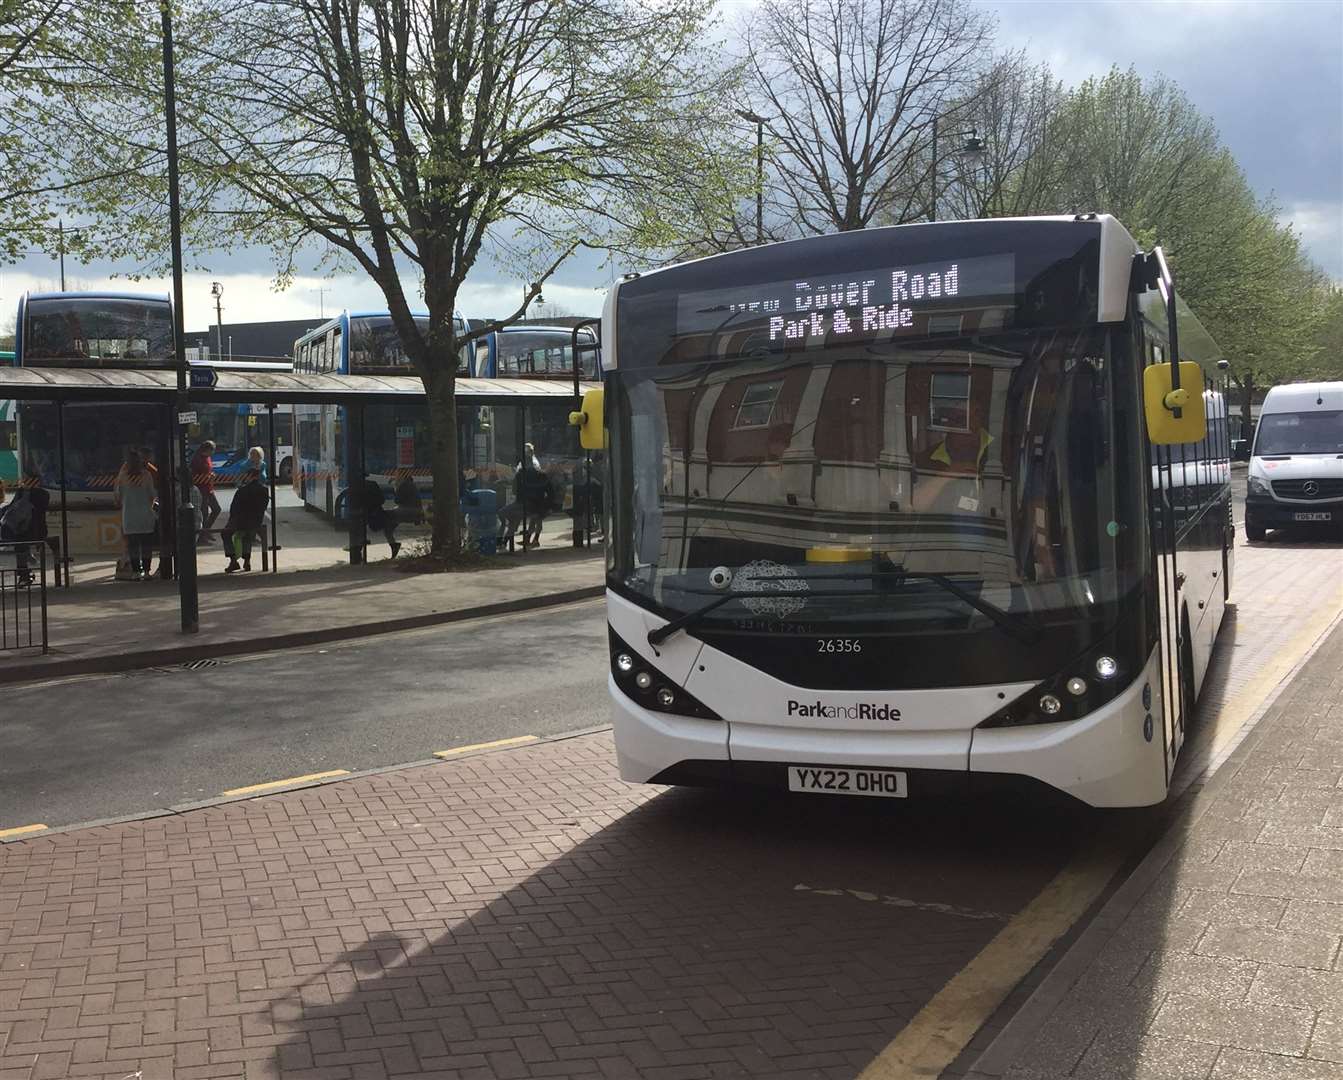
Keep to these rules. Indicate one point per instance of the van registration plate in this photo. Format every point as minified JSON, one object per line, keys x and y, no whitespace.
{"x":824,"y":780}
{"x":1318,"y":515}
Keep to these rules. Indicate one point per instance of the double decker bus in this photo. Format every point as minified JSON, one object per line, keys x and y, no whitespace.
{"x":103,"y":330}
{"x":911,"y":506}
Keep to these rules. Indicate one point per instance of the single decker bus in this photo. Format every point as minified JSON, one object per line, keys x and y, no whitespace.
{"x":910,"y":506}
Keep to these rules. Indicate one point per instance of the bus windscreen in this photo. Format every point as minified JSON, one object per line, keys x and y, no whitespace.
{"x":97,"y":331}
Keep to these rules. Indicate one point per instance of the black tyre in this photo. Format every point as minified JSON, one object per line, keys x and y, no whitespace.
{"x":287,"y":471}
{"x":1254,"y":530}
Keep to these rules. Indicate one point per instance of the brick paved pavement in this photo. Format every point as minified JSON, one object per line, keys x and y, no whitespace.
{"x":517,"y":914}
{"x":1221,"y":958}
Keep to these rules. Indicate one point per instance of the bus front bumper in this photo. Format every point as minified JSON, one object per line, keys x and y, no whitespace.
{"x":1113,"y":757}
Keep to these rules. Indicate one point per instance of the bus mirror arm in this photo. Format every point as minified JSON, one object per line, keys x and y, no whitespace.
{"x":1175,"y":400}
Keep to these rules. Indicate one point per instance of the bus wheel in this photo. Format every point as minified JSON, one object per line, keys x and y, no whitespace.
{"x":1254,"y":530}
{"x":1187,"y":692}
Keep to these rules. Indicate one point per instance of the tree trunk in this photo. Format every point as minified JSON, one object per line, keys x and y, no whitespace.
{"x":1247,"y":389}
{"x":447,"y":520}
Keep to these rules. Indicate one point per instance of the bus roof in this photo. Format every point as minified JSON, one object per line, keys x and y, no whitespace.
{"x":96,"y":294}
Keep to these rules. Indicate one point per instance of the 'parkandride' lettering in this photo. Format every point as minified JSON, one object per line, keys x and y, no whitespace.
{"x":860,"y":711}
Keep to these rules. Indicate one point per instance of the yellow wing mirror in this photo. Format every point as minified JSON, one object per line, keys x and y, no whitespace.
{"x":1162,"y":399}
{"x":591,"y":421}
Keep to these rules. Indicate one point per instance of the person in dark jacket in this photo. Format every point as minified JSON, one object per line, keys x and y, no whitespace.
{"x":26,"y":517}
{"x":246,"y":513}
{"x":534,"y":496}
{"x":376,"y":517}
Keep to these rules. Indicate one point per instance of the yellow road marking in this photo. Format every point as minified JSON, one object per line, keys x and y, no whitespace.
{"x":948,"y":1021}
{"x":943,"y":1027}
{"x":270,"y":785}
{"x":517,"y":741}
{"x":21,"y":830}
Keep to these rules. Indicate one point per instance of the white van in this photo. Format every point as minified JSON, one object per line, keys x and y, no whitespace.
{"x":1296,"y":465}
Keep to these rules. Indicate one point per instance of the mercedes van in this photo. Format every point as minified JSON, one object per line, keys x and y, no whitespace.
{"x":1296,"y":464}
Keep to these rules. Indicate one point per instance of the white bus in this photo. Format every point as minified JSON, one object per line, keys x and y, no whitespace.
{"x":904,"y":507}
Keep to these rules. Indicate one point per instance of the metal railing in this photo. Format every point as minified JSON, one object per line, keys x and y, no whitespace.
{"x":23,"y":615}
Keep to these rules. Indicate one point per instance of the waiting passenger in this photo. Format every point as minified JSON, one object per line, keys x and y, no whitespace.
{"x":256,"y":459}
{"x":246,"y":513}
{"x":25,"y":519}
{"x":376,"y":516}
{"x":203,"y":479}
{"x":137,"y":497}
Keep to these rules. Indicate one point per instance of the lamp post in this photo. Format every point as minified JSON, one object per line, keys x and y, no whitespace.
{"x":217,"y":291}
{"x":186,"y":519}
{"x":973,"y":147}
{"x":759,"y":122}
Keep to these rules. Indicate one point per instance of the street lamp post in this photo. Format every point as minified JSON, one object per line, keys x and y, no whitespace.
{"x":186,"y":520}
{"x":759,"y":122}
{"x":972,"y":147}
{"x":217,"y":291}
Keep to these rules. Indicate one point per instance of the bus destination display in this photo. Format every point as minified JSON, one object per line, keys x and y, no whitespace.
{"x":865,"y":304}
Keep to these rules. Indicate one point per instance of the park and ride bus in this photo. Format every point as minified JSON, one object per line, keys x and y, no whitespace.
{"x":536,"y":352}
{"x":910,"y":506}
{"x":9,"y":434}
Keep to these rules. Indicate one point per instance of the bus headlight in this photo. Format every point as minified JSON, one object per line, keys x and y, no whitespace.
{"x":641,"y":682}
{"x":1069,"y":695}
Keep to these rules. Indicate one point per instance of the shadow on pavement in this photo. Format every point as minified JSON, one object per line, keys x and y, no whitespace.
{"x":700,"y":934}
{"x":1118,"y":1020}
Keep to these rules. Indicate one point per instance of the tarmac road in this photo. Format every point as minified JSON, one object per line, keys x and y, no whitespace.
{"x":93,"y":747}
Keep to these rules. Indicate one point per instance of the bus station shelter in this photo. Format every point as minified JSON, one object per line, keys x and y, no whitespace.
{"x":76,"y":423}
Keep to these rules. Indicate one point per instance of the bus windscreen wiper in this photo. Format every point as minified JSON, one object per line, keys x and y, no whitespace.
{"x":662,"y":633}
{"x":1015,"y":625}
{"x":895,"y":574}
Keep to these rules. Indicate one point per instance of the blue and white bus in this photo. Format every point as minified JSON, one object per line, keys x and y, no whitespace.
{"x":357,"y":343}
{"x":364,"y":343}
{"x":536,"y":352}
{"x":500,"y":421}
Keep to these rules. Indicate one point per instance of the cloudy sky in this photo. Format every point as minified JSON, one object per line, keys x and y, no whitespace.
{"x":1270,"y":74}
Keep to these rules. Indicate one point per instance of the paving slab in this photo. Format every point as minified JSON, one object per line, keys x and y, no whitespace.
{"x":519,"y":913}
{"x":1243,"y":976}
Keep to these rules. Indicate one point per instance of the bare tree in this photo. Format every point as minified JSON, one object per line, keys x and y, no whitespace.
{"x":1014,"y":112}
{"x":851,"y":89}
